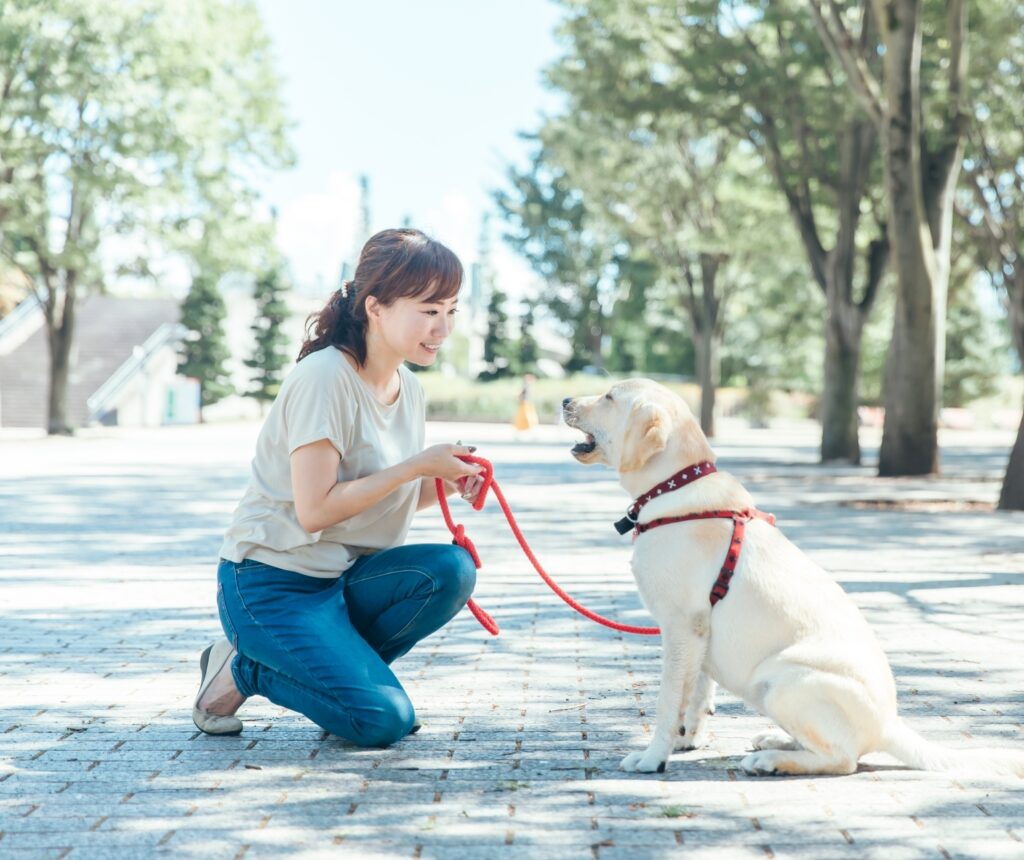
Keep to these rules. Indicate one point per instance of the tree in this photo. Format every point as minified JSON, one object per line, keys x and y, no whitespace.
{"x":993,"y":202}
{"x":527,"y":350}
{"x":497,"y":346}
{"x":550,"y":225}
{"x":922,"y":125}
{"x":149,"y":120}
{"x":971,"y":370}
{"x":205,"y":350}
{"x":758,"y":72}
{"x":671,"y":190}
{"x":270,"y":357}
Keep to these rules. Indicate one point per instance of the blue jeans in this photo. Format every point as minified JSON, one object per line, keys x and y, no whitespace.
{"x":322,"y":646}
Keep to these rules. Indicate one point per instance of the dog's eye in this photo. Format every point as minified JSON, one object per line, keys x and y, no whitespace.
{"x":608,"y":397}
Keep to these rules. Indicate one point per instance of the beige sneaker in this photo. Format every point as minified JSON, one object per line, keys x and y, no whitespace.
{"x":214,"y":659}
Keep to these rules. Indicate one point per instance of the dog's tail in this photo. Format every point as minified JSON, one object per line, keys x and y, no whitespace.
{"x":901,"y":741}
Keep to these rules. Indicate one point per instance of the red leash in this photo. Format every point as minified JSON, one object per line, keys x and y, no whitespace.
{"x":461,"y":539}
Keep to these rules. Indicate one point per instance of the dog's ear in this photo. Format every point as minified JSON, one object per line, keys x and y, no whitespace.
{"x":646,"y":434}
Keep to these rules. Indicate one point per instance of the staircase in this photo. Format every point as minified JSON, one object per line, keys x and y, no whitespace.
{"x":107,"y":330}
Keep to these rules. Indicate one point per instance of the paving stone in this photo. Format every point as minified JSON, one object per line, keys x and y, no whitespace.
{"x":107,"y":607}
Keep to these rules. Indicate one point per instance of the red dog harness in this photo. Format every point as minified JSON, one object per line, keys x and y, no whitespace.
{"x":739,"y":519}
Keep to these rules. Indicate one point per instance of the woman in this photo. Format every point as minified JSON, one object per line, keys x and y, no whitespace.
{"x":315,"y":591}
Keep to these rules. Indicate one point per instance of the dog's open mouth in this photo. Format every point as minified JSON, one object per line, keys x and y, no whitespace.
{"x":585,"y":447}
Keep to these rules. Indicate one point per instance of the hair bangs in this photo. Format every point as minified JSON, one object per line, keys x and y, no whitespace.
{"x":432,"y":273}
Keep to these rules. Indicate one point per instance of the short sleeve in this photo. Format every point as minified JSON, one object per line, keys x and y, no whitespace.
{"x":317,"y":406}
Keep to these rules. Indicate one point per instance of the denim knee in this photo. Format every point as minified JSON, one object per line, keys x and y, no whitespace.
{"x":456,"y":574}
{"x":388,"y":719}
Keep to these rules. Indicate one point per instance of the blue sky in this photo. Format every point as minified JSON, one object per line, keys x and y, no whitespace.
{"x":424,"y":97}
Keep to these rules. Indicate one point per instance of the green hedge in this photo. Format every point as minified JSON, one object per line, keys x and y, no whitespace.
{"x":454,"y":398}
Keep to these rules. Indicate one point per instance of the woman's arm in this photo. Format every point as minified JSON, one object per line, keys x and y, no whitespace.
{"x":428,"y":493}
{"x":321,"y":501}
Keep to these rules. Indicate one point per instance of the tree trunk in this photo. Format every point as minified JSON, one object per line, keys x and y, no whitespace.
{"x":1011,"y":497}
{"x":833,"y":271}
{"x":845,"y":317}
{"x":708,"y":349}
{"x":707,"y":337}
{"x":920,"y":249}
{"x":913,"y":372}
{"x":841,"y":391}
{"x":60,"y":333}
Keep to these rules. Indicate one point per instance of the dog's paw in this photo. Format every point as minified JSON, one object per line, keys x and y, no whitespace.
{"x":774,"y":741}
{"x":643,"y":762}
{"x":686,"y":742}
{"x":763,"y":763}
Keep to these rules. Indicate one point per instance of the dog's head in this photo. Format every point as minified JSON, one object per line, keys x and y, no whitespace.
{"x":634,"y":423}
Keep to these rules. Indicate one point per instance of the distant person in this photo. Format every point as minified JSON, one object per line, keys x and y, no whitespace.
{"x":316,"y":593}
{"x":526,"y":414}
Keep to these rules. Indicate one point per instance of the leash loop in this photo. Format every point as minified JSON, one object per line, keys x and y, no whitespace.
{"x":627,"y":523}
{"x":460,"y":539}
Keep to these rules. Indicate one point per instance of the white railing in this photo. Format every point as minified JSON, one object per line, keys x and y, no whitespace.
{"x":26,"y":308}
{"x":105,"y":395}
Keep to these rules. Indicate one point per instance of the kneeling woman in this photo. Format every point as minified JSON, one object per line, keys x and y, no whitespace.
{"x":316,"y":593}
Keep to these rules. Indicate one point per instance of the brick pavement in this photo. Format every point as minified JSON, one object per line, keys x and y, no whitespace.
{"x":106,"y":577}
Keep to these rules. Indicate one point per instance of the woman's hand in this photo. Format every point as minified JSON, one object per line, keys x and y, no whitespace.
{"x":469,"y":488}
{"x":442,"y":461}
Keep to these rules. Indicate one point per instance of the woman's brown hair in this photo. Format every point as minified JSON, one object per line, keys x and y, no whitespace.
{"x":394,"y":264}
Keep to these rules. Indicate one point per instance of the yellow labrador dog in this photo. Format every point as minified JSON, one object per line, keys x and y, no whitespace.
{"x":780,"y":633}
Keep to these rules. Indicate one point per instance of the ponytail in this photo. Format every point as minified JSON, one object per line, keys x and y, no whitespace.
{"x":342,"y":324}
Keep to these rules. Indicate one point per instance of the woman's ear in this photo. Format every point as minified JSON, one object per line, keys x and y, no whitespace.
{"x":373,"y":309}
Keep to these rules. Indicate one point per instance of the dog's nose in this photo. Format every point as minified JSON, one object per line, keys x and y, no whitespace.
{"x":566,"y":402}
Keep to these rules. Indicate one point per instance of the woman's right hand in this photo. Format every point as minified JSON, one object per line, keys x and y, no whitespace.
{"x":442,"y":461}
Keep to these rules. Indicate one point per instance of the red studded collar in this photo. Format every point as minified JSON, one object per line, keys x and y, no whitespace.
{"x":679,"y":480}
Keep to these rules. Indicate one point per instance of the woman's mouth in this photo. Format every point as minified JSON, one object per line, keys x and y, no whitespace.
{"x":432,"y":348}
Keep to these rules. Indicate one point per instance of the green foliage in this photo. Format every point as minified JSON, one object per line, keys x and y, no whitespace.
{"x":992,"y":197}
{"x":552,"y":228}
{"x":456,"y":398}
{"x":498,"y":348}
{"x":270,"y":356}
{"x":527,"y":351}
{"x":775,"y":334}
{"x":205,"y":351}
{"x":977,"y":351}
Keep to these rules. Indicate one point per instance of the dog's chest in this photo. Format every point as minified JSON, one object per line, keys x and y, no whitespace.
{"x":669,"y":574}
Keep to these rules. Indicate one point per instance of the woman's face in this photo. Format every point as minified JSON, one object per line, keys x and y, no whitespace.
{"x":412,"y":329}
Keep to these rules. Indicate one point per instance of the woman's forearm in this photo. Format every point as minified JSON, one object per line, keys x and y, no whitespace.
{"x":348,"y":498}
{"x":428,"y":493}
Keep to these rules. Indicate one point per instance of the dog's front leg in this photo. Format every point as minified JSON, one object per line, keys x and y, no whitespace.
{"x":682,"y":657}
{"x":693,"y":726}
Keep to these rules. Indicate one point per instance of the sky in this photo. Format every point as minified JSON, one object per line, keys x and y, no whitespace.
{"x":427,"y":99}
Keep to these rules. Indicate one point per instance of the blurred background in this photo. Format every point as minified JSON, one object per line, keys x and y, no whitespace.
{"x":784,"y":209}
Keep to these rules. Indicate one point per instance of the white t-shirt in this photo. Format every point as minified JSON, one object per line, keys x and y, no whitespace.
{"x":324,"y":398}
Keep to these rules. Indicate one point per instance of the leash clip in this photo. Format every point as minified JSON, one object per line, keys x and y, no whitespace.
{"x":627,"y":523}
